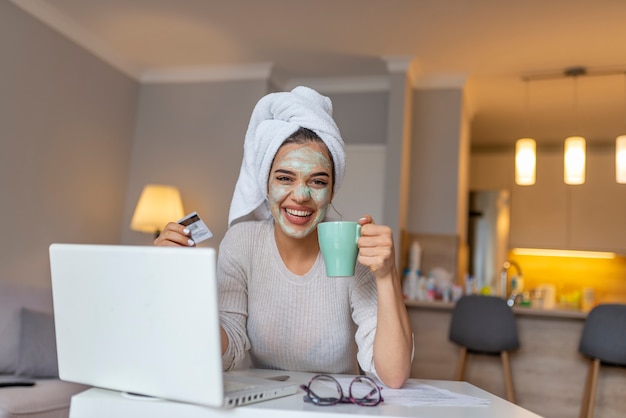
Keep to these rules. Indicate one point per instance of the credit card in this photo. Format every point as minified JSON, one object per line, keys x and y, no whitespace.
{"x":199,"y":231}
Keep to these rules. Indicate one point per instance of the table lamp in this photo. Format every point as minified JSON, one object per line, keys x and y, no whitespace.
{"x":157,"y":205}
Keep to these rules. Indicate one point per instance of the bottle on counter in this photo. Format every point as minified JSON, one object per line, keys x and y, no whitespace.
{"x":415,"y":257}
{"x":406,"y":285}
{"x":431,"y":288}
{"x":411,"y":285}
{"x":412,"y":274}
{"x":469,"y":285}
{"x":415,"y":285}
{"x":420,"y":286}
{"x":457,"y":292}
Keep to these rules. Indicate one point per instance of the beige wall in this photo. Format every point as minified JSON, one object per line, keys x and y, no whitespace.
{"x":438,"y":153}
{"x":66,"y":128}
{"x":191,"y":135}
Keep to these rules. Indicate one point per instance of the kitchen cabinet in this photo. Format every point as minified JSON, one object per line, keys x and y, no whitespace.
{"x":539,"y":212}
{"x":552,"y":214}
{"x":598,"y":208}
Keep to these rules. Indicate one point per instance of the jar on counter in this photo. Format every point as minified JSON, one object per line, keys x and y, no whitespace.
{"x":536,"y":298}
{"x":588,"y":299}
{"x":548,"y":292}
{"x":569,"y":298}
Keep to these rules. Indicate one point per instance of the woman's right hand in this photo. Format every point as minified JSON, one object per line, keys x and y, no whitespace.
{"x":175,"y":235}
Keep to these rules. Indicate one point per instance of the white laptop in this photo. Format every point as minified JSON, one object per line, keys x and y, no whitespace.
{"x":144,"y":320}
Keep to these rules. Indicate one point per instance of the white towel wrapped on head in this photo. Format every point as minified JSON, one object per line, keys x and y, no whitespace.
{"x":275,"y":117}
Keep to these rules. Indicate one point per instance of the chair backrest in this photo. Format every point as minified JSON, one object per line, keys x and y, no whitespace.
{"x":604,"y":334}
{"x":484,"y":324}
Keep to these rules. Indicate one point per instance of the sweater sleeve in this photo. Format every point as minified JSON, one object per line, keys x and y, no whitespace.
{"x":364,"y":314}
{"x":233,"y":295}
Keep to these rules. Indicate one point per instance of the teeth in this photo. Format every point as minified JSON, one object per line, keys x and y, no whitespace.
{"x":298,"y":212}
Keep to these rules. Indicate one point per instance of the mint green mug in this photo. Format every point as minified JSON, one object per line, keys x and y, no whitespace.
{"x":338,"y":243}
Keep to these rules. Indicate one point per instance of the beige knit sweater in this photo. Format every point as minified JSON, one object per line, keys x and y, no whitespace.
{"x":310,"y":323}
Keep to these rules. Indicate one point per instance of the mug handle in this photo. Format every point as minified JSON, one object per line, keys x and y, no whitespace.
{"x":358,"y":232}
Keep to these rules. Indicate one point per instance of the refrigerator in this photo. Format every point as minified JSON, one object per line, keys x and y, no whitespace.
{"x":488,"y":238}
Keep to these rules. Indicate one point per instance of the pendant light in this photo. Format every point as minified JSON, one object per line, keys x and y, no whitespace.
{"x":575,"y":160}
{"x":574,"y":155}
{"x":525,"y":161}
{"x":620,"y":159}
{"x":620,"y":150}
{"x":525,"y":153}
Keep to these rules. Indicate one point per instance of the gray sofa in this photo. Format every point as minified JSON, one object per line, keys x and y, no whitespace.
{"x":28,"y":354}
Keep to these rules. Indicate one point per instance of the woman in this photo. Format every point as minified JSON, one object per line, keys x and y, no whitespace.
{"x":276,"y":301}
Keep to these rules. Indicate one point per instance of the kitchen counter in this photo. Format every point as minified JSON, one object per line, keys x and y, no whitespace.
{"x":518,"y":310}
{"x":548,"y":371}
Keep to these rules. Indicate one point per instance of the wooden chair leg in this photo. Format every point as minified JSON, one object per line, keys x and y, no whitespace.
{"x":460,"y":367}
{"x":508,"y":380}
{"x":594,"y":369}
{"x":584,"y":404}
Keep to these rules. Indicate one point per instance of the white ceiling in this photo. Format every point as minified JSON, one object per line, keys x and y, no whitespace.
{"x":492,"y":44}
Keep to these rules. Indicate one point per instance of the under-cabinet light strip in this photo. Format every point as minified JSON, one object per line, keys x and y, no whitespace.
{"x":563,"y":253}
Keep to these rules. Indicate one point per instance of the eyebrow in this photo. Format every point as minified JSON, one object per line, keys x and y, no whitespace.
{"x":318,"y":174}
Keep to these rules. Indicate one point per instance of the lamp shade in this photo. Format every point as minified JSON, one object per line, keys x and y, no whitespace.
{"x":620,"y":159}
{"x":574,"y":172}
{"x":525,"y":161}
{"x":157,"y":205}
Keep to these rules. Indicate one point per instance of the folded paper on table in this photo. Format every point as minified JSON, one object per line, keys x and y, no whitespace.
{"x":420,"y":394}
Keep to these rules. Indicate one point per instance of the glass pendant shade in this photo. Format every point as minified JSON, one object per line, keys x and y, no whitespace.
{"x":620,"y":159}
{"x":525,"y":161}
{"x":574,"y":160}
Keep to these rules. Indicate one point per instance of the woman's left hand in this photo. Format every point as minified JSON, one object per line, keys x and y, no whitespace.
{"x":376,"y":249}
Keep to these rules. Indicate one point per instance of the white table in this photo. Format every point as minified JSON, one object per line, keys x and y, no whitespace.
{"x":102,"y":403}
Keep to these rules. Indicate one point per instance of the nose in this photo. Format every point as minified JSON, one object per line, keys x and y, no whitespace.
{"x":302,"y":192}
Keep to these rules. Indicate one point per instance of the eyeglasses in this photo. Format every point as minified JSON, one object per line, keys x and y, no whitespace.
{"x":325,"y":390}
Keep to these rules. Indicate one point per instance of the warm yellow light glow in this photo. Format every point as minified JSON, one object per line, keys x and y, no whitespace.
{"x":563,"y":253}
{"x":525,"y":161}
{"x":574,"y":160}
{"x":158,"y":205}
{"x":620,"y":159}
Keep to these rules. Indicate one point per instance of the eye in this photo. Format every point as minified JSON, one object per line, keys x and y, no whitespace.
{"x":319,"y":182}
{"x":283,"y":178}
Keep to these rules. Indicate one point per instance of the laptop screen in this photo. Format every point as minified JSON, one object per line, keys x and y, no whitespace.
{"x":138,"y":319}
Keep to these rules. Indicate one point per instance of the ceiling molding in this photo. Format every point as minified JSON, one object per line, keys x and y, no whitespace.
{"x":341,"y":84}
{"x":398,"y":64}
{"x":77,"y":34}
{"x":208,"y":73}
{"x":404,"y":65}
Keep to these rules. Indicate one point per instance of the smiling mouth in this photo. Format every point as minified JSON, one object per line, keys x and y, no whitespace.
{"x":299,"y":213}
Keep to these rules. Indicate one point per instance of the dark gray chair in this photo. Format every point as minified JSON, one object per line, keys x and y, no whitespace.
{"x":485,"y":325}
{"x":604,"y":342}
